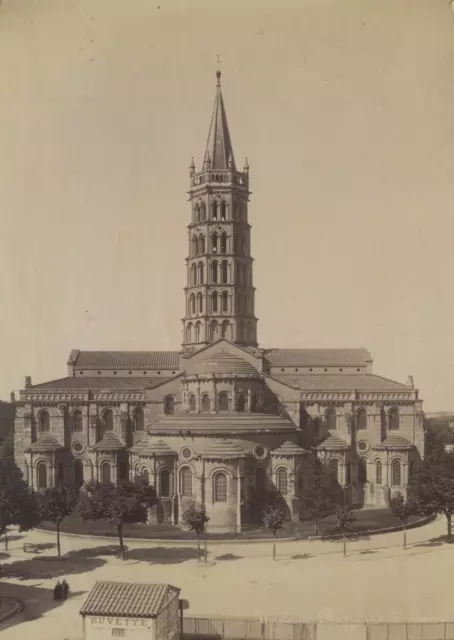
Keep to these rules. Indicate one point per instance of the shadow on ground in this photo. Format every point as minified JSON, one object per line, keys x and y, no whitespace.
{"x":436,"y":542}
{"x":47,"y":567}
{"x":228,"y":556}
{"x":163,"y":555}
{"x":301,"y":556}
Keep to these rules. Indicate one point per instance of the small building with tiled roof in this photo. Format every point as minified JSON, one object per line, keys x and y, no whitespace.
{"x":131,"y":610}
{"x":221,"y":419}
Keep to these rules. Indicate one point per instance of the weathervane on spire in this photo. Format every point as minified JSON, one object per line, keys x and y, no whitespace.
{"x":218,"y":72}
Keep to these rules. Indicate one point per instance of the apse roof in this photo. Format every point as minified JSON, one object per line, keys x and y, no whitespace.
{"x":394,"y":442}
{"x":45,"y":443}
{"x":288,"y":448}
{"x":222,"y":449}
{"x":333,"y":441}
{"x":150,"y":446}
{"x":109,"y":442}
{"x":224,"y":363}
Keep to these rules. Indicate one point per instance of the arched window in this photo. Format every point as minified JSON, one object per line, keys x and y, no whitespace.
{"x":225,"y":329}
{"x":78,"y":472}
{"x":108,"y":420}
{"x":164,"y":483}
{"x":201,"y":247}
{"x":193,"y":274}
{"x":214,"y":209}
{"x":189,"y":332}
{"x":194,"y":246}
{"x":145,"y":475}
{"x":214,"y":242}
{"x":214,"y":272}
{"x":334,"y":468}
{"x":223,"y":248}
{"x":203,"y":211}
{"x":199,"y":303}
{"x":214,"y":302}
{"x":225,"y":272}
{"x":78,"y":425}
{"x":240,"y":274}
{"x":223,"y":401}
{"x":41,"y":473}
{"x":44,"y":422}
{"x":220,"y":487}
{"x":223,"y":209}
{"x":201,"y":273}
{"x":138,"y":419}
{"x":241,"y":403}
{"x":192,"y":304}
{"x":393,"y":419}
{"x":206,"y":403}
{"x":186,"y":482}
{"x":169,"y":405}
{"x":282,"y":481}
{"x":396,"y":473}
{"x":361,"y":419}
{"x":192,"y":403}
{"x":197,"y":331}
{"x":197,"y":213}
{"x":362,"y":471}
{"x":105,"y":473}
{"x":225,"y":302}
{"x":260,"y":480}
{"x":378,"y":472}
{"x":331,"y":419}
{"x":244,"y":302}
{"x":214,"y":328}
{"x":137,"y":472}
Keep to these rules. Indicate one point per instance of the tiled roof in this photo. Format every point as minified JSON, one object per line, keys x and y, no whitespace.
{"x":127,"y":360}
{"x":127,"y":599}
{"x":222,"y":450}
{"x":221,"y":424}
{"x":150,"y":446}
{"x":110,"y":442}
{"x":394,"y":442}
{"x":318,"y":357}
{"x":340,"y":382}
{"x":288,"y":449}
{"x":225,"y":363}
{"x":333,"y":441}
{"x":85,"y":383}
{"x":44,"y":444}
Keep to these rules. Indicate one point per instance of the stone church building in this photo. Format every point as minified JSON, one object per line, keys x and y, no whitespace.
{"x":221,"y":421}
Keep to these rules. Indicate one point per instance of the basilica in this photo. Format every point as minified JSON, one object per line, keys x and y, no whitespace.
{"x":222,"y":421}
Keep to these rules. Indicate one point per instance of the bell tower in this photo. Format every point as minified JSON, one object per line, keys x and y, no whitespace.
{"x":219,"y":292}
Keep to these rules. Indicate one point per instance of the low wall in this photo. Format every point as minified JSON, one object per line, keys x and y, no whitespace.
{"x":275,"y":629}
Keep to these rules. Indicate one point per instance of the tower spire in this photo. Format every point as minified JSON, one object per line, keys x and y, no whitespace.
{"x":219,"y":145}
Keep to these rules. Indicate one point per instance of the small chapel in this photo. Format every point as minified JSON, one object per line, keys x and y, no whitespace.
{"x":223,"y":420}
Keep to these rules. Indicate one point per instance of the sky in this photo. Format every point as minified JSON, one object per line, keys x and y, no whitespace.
{"x":344,"y":109}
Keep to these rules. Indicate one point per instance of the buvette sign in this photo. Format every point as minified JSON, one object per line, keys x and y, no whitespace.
{"x":111,"y":621}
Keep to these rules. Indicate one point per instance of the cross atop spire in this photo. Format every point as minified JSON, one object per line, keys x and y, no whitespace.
{"x":219,"y":146}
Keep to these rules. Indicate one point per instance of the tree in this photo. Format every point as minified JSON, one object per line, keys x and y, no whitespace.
{"x":196,"y":519}
{"x":345,"y":518}
{"x":323,"y":494}
{"x":403,"y":509}
{"x":18,"y":504}
{"x":433,"y":487}
{"x":274,"y":520}
{"x":118,"y":504}
{"x":55,"y":504}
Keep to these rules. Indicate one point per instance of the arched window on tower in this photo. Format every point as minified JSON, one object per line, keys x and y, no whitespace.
{"x":197,"y":213}
{"x":197,"y":331}
{"x":193,"y":278}
{"x":138,"y":420}
{"x":240,"y":274}
{"x":396,"y":473}
{"x":201,"y":245}
{"x":223,"y":243}
{"x":199,"y":303}
{"x":393,"y":419}
{"x":225,"y":302}
{"x":194,"y":246}
{"x":203,"y":211}
{"x":169,"y":405}
{"x":225,"y":272}
{"x":214,"y":272}
{"x":192,"y":304}
{"x":225,"y":327}
{"x":214,"y":209}
{"x":206,"y":403}
{"x":214,"y":330}
{"x":214,"y":242}
{"x":220,"y":487}
{"x":331,"y":418}
{"x":214,"y":302}
{"x":282,"y":481}
{"x":223,"y":401}
{"x":241,"y":403}
{"x":223,"y":210}
{"x":44,"y":422}
{"x":244,"y":304}
{"x":189,"y":332}
{"x":201,"y":274}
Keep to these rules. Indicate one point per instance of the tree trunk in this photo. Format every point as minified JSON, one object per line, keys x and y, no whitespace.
{"x":58,"y":539}
{"x":122,"y":545}
{"x":448,"y":518}
{"x":6,"y":539}
{"x":206,"y":552}
{"x":274,"y":551}
{"x":198,"y":546}
{"x":405,"y":535}
{"x":316,"y":526}
{"x":345,"y":543}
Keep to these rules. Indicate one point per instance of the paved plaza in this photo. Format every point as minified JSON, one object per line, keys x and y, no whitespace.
{"x":377,"y":581}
